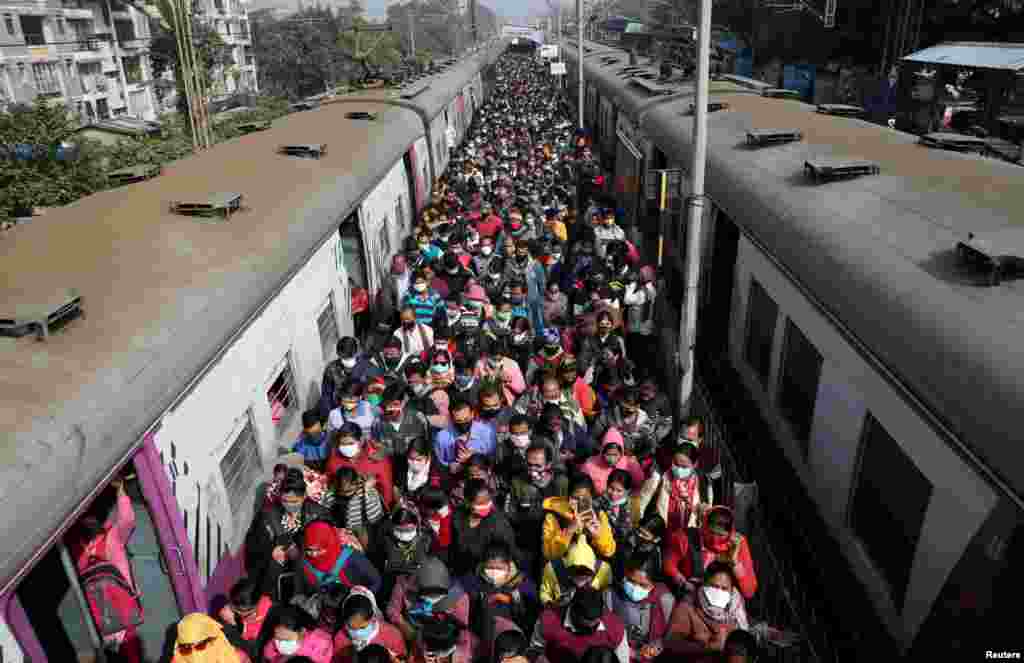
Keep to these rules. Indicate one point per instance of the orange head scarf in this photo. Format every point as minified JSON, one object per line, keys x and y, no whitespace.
{"x":196,"y":628}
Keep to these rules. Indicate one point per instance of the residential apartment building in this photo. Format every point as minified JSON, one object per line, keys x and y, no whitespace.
{"x":230,"y":19}
{"x":91,"y":54}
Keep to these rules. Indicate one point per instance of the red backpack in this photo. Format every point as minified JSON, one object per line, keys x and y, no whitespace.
{"x":115,"y":605}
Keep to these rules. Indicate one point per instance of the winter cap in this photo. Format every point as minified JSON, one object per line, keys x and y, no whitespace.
{"x":433,"y":575}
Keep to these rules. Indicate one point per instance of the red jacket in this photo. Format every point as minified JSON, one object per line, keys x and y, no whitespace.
{"x":678,"y":563}
{"x":388,"y":636}
{"x":561,"y":644}
{"x":366,"y":465}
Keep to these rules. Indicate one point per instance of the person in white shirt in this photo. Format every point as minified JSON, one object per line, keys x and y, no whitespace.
{"x":416,"y":338}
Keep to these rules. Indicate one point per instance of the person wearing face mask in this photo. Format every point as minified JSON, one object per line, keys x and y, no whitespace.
{"x":312,"y":443}
{"x":606,"y":231}
{"x":419,"y":472}
{"x":549,"y":357}
{"x":612,"y":457}
{"x":556,"y":304}
{"x":646,"y":541}
{"x":429,"y":596}
{"x":510,"y":456}
{"x":608,"y":340}
{"x":495,"y":284}
{"x":435,"y":506}
{"x":499,"y":590}
{"x":394,"y":288}
{"x":482,"y":261}
{"x":476,"y":524}
{"x":571,"y":381}
{"x":245,"y":616}
{"x":389,"y":362}
{"x":626,"y":416}
{"x":365,"y":457}
{"x":417,"y":378}
{"x":424,"y":301}
{"x":553,"y":225}
{"x":616,"y":503}
{"x":328,"y":562}
{"x":402,"y":546}
{"x":363,"y":627}
{"x":681,"y":495}
{"x":639,"y":299}
{"x":351,"y":365}
{"x":352,"y":408}
{"x":463,"y":437}
{"x":566,"y":633}
{"x":571,"y":441}
{"x":455,"y":274}
{"x":538,"y":480}
{"x":490,"y":225}
{"x":689,"y":551}
{"x":570,"y":519}
{"x":466,"y":383}
{"x":398,"y":425}
{"x":699,"y":630}
{"x":294,"y":635}
{"x":645,"y":608}
{"x":272,"y":542}
{"x":535,"y":279}
{"x":498,"y":366}
{"x":440,"y":642}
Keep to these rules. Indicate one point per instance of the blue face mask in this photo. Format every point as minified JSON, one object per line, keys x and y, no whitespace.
{"x":634,"y":592}
{"x":364,"y":634}
{"x":463,"y":381}
{"x":516,"y":301}
{"x":682,"y":472}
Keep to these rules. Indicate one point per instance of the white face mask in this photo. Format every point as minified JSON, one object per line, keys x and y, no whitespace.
{"x":719,"y":598}
{"x":486,"y":250}
{"x":349,"y":450}
{"x":287,"y":647}
{"x":520,"y":440}
{"x":420,"y":287}
{"x":348,"y":363}
{"x":496,"y":576}
{"x":405,"y":536}
{"x":419,"y":466}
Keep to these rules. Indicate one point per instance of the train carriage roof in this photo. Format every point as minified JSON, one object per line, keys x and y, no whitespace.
{"x":162,"y":295}
{"x":877,"y":251}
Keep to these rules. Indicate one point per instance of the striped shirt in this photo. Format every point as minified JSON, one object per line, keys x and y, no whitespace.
{"x":425,"y":305}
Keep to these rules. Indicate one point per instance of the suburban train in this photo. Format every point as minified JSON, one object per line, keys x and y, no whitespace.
{"x":189,"y":345}
{"x":865,"y":317}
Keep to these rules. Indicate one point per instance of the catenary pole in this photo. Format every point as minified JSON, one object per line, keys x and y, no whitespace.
{"x":696,"y":206}
{"x":579,"y":59}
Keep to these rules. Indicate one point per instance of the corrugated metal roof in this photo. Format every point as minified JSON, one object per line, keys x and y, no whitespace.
{"x":1009,"y":56}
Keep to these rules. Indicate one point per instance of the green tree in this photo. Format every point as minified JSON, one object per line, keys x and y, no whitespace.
{"x":299,"y":56}
{"x":45,"y":180}
{"x":368,"y":48}
{"x":211,"y":51}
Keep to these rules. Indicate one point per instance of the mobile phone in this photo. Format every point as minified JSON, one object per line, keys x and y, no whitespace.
{"x":584,"y":508}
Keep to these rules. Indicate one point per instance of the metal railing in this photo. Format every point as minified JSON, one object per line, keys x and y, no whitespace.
{"x":805,"y":583}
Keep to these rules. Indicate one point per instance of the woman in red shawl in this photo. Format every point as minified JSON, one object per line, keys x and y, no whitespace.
{"x":327,"y":560}
{"x":698,"y":630}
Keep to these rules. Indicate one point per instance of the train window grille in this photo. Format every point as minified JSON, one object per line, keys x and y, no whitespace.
{"x":400,"y":212}
{"x":327,"y":325}
{"x":800,"y":374}
{"x":282,"y":395}
{"x":241,"y":467}
{"x":762,"y":316}
{"x":888,"y":506}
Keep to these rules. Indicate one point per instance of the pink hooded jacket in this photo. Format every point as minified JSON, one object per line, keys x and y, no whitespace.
{"x":598,"y":470}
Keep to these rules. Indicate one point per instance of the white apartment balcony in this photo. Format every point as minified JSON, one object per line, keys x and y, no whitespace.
{"x":75,"y":14}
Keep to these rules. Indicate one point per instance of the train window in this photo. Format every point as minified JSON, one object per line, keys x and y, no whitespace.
{"x":887,"y":511}
{"x":282,"y":395}
{"x":327,"y":324}
{"x":762,"y":314}
{"x":400,"y":212}
{"x":798,"y":385}
{"x":241,"y":466}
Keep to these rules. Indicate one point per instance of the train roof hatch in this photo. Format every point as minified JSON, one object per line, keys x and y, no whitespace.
{"x":310,"y":150}
{"x":955,"y":142}
{"x":780,"y":93}
{"x":842,"y":110}
{"x":414,"y":91}
{"x":999,"y":253}
{"x":762,"y":137}
{"x":133,"y":174}
{"x":221,"y":205}
{"x":40,"y":315}
{"x":821,"y":170}
{"x":713,"y":107}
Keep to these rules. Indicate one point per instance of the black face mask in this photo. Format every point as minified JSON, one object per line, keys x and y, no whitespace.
{"x":411,"y":324}
{"x":489,"y":412}
{"x":584,"y":629}
{"x":462,"y":428}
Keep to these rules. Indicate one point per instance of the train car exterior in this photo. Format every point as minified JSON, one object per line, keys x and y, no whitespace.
{"x":202,"y":342}
{"x":846,"y":316}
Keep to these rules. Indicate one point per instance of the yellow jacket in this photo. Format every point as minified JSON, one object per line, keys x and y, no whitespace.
{"x":580,"y":554}
{"x":555,"y":540}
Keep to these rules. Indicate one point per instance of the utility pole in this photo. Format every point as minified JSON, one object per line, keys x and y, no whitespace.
{"x":472,"y":21}
{"x":579,"y":58}
{"x":120,"y":61}
{"x":412,"y":31}
{"x":696,"y":205}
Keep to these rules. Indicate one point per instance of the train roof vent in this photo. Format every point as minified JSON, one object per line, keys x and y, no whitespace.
{"x":133,"y":174}
{"x":43,"y":315}
{"x":249,"y":127}
{"x":713,"y":107}
{"x":821,"y":170}
{"x":307,"y":104}
{"x":780,"y":93}
{"x":415,"y":90}
{"x":955,"y":142}
{"x":993,"y":254}
{"x":311,"y":150}
{"x":361,"y":115}
{"x":762,"y":137}
{"x":221,"y":205}
{"x":842,"y":110}
{"x":650,"y":87}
